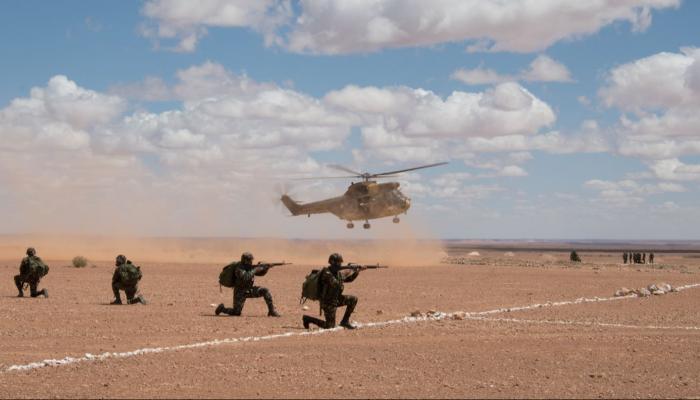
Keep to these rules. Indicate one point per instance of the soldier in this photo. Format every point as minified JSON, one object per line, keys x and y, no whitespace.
{"x":244,"y":287}
{"x":126,"y":277}
{"x":31,"y":270}
{"x":624,"y":257}
{"x":331,"y":295}
{"x":644,"y":258}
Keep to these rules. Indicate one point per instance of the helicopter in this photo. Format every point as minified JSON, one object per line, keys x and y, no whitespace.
{"x":363,"y":200}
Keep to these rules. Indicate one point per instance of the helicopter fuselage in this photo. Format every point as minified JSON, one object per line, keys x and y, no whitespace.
{"x":361,"y":202}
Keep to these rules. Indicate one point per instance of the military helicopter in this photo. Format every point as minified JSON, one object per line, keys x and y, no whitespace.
{"x":362,"y":201}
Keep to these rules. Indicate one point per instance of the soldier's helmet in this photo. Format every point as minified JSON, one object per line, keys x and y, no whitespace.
{"x":31,"y":251}
{"x":247,"y":258}
{"x":121,"y":259}
{"x":335,"y":259}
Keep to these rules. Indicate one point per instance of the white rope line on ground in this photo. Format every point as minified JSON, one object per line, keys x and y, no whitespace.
{"x":218,"y":342}
{"x":581,"y":323}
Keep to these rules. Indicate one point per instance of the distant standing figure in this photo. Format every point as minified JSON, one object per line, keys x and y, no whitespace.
{"x":624,"y":257}
{"x":573,"y":257}
{"x":31,"y":270}
{"x":126,"y":277}
{"x":651,"y":258}
{"x":644,"y":258}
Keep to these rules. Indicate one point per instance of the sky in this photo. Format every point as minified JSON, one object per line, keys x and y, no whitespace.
{"x":559,"y":119}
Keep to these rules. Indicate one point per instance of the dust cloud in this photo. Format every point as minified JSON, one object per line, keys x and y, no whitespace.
{"x":184,"y":228}
{"x":100,"y":249}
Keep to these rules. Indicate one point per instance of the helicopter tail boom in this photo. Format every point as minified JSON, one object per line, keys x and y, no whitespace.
{"x":292,"y":206}
{"x":317,"y":207}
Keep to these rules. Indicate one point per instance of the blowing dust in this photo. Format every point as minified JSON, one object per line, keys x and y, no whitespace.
{"x":392,"y":252}
{"x":158,"y":230}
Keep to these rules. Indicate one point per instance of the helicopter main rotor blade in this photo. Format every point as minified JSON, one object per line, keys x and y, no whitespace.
{"x":345,"y":169}
{"x":323,"y":177}
{"x":407,"y":169}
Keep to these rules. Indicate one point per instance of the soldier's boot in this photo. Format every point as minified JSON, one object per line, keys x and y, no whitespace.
{"x":229,"y":311}
{"x":18,"y":283}
{"x":44,"y":292}
{"x":307,"y":320}
{"x":271,"y":312}
{"x":347,"y":325}
{"x":219,"y":309}
{"x":137,"y":299}
{"x":117,"y":296}
{"x":345,"y":322}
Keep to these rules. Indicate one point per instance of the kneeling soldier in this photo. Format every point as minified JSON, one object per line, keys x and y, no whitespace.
{"x":244,"y":288}
{"x":126,"y":277}
{"x":31,"y":270}
{"x":331,"y":296}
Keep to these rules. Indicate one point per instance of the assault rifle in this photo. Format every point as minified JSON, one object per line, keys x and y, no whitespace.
{"x":361,"y":267}
{"x":273,"y":264}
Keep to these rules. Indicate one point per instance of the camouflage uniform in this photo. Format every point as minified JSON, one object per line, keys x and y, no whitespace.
{"x":332,"y":297}
{"x":244,"y":287}
{"x":26,"y":276}
{"x":130,"y":288}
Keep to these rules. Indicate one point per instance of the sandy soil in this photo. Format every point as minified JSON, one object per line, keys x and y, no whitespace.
{"x":640,"y":347}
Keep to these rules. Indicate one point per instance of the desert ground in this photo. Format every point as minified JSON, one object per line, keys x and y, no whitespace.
{"x":512,"y":322}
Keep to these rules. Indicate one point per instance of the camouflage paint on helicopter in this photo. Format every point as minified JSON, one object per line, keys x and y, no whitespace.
{"x":362,"y":201}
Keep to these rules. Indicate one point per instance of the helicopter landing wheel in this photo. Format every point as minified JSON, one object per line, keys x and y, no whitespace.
{"x":350,"y":225}
{"x":396,"y":220}
{"x":366,"y":225}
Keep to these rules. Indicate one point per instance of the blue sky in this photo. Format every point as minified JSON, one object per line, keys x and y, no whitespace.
{"x":559,"y":119}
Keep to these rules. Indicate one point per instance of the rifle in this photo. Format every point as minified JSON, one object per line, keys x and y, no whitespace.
{"x":361,"y":267}
{"x":273,"y":264}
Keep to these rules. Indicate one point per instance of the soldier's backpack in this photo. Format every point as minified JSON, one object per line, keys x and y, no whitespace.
{"x":37,"y":268}
{"x":227,"y":277}
{"x":311,"y":288}
{"x":130,"y":274}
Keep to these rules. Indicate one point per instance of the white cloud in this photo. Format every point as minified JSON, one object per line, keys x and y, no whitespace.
{"x":480,"y":76}
{"x":339,"y":26}
{"x":675,"y":170}
{"x":583,"y":100}
{"x":187,"y":21}
{"x":150,"y":89}
{"x":452,"y":186}
{"x":660,"y":81}
{"x":629,"y":193}
{"x":541,"y":69}
{"x":512,"y":170}
{"x":408,"y":124}
{"x":231,"y":133}
{"x":57,"y":115}
{"x":505,"y":109}
{"x":525,"y":26}
{"x":585,"y":140}
{"x":545,"y":69}
{"x":661,"y":95}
